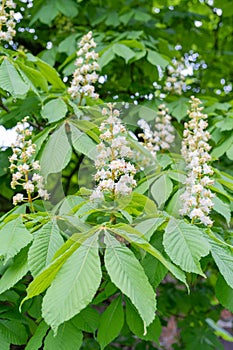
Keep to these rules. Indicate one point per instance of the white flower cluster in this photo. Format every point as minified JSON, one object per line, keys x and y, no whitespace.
{"x":7,"y":21}
{"x":176,"y":79}
{"x":115,"y":174}
{"x":197,"y":197}
{"x":85,"y":75}
{"x":162,"y":136}
{"x":24,"y":170}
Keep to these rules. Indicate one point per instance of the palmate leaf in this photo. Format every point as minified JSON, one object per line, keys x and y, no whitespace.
{"x":74,"y":286}
{"x":135,"y":237}
{"x":13,"y":237}
{"x":111,"y":320}
{"x":16,"y":271}
{"x":185,"y":245}
{"x":68,"y":337}
{"x":46,"y":242}
{"x":128,"y":275}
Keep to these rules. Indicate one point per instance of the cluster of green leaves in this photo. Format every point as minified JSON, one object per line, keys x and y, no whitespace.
{"x":70,"y":278}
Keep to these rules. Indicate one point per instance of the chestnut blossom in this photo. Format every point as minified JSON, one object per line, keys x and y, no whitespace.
{"x":195,"y":149}
{"x":23,"y":167}
{"x":115,"y":173}
{"x":175,"y":81}
{"x":85,"y":75}
{"x":162,"y":136}
{"x":7,"y":21}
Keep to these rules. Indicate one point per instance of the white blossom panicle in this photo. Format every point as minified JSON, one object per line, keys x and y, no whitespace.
{"x":115,"y":173}
{"x":162,"y":136}
{"x":7,"y":20}
{"x":195,"y":149}
{"x":85,"y":75}
{"x":24,"y":168}
{"x":175,"y":81}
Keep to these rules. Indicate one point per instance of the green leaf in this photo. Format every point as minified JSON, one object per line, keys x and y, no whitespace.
{"x":223,"y":147}
{"x":223,"y":257}
{"x":83,"y":143}
{"x":149,"y":226}
{"x":175,"y":204}
{"x":13,"y":332}
{"x":68,"y":45}
{"x":54,"y":110}
{"x":73,"y":288}
{"x":36,"y":341}
{"x":161,"y":189}
{"x":123,"y":51}
{"x":156,"y":59}
{"x":68,"y":7}
{"x":13,"y":237}
{"x":136,"y":325}
{"x":106,"y":57}
{"x":11,"y":81}
{"x":57,"y":152}
{"x":154,"y":269}
{"x":112,"y":320}
{"x":48,"y":72}
{"x":15,"y":272}
{"x":222,"y":208}
{"x":220,"y":332}
{"x":224,"y":293}
{"x":87,"y":320}
{"x":46,"y":242}
{"x":179,"y":108}
{"x":135,"y":237}
{"x":185,"y":245}
{"x":125,"y":271}
{"x":229,"y":152}
{"x":45,"y":13}
{"x":4,"y":344}
{"x":226,"y":124}
{"x":33,"y":77}
{"x":67,"y":337}
{"x":44,"y":279}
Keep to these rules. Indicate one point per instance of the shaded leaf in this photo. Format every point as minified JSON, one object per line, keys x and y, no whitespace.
{"x":111,"y":322}
{"x":136,"y":325}
{"x":224,"y":293}
{"x":36,"y":341}
{"x":68,"y":337}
